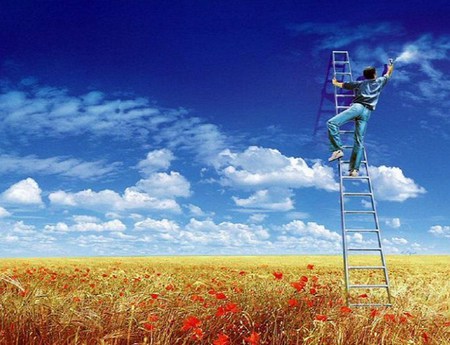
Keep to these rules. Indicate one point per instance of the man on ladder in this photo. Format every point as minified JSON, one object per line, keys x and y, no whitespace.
{"x":367,"y":93}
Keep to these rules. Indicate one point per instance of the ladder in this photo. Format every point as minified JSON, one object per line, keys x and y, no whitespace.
{"x":366,"y":274}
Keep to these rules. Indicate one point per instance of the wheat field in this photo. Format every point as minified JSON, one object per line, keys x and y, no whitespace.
{"x":218,"y":300}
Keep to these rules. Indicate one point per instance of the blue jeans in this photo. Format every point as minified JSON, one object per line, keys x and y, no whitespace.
{"x":361,"y":115}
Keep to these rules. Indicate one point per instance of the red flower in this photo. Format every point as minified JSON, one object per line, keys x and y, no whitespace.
{"x":197,"y":333}
{"x":374,"y":312}
{"x":191,"y":322}
{"x":389,"y":317}
{"x":425,"y":337}
{"x":278,"y":275}
{"x":253,"y":339}
{"x":447,"y":324}
{"x":154,"y":295}
{"x":222,"y":339}
{"x":170,"y":287}
{"x":304,"y":279}
{"x":221,"y":295}
{"x":364,"y":295}
{"x":320,"y":317}
{"x":220,"y":311}
{"x":148,"y":326}
{"x":312,"y":291}
{"x":345,"y":310}
{"x":299,"y":286}
{"x":232,"y":308}
{"x":293,"y":302}
{"x":310,"y":266}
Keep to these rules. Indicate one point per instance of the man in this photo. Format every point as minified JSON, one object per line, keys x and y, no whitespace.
{"x":367,"y":93}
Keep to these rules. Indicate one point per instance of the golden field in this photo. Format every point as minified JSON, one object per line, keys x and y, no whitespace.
{"x":217,"y":300}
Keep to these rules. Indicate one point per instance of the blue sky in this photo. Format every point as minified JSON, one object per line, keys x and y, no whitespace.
{"x":195,"y":127}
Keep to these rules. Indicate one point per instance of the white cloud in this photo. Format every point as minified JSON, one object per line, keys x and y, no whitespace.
{"x":399,"y":240}
{"x":156,"y":160}
{"x":268,"y":200}
{"x":4,"y":213}
{"x":310,"y":229}
{"x":163,"y":225}
{"x":440,"y":231}
{"x":87,"y":226}
{"x":26,"y":192}
{"x":342,"y":34}
{"x":68,"y":167}
{"x":36,"y":111}
{"x":21,"y":228}
{"x":257,"y":218}
{"x":108,"y":199}
{"x":390,"y":184}
{"x":393,"y":223}
{"x":259,"y":167}
{"x":203,"y":233}
{"x":163,"y":185}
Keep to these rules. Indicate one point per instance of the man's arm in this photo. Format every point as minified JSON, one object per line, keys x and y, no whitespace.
{"x":389,"y":71}
{"x":336,"y":83}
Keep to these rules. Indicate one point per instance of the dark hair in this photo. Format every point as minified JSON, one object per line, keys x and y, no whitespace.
{"x":369,"y":72}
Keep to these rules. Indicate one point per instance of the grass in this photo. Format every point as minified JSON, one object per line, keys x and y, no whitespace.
{"x":217,"y":300}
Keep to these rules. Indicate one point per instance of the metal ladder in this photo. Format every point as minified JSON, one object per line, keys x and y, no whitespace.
{"x":361,"y":220}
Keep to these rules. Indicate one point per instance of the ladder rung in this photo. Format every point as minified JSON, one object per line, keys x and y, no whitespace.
{"x":346,"y":162}
{"x":344,"y":95}
{"x":366,"y":267}
{"x":368,"y":286}
{"x":357,"y":194}
{"x":369,"y":305}
{"x":355,"y":177}
{"x":347,"y":146}
{"x":346,"y":132}
{"x":343,"y":73}
{"x":365,"y":249}
{"x":361,"y":230}
{"x":342,"y":106}
{"x":359,"y":212}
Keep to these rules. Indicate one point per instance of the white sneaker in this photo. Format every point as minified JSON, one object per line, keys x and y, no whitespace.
{"x":354,"y":173}
{"x":336,"y":155}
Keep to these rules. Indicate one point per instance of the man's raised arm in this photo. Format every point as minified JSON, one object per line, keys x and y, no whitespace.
{"x":336,"y":83}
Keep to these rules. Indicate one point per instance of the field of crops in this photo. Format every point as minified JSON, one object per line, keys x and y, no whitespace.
{"x":217,"y":300}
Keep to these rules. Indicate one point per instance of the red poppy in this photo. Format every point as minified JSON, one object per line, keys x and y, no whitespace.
{"x":253,"y":339}
{"x":364,"y":295}
{"x":304,"y":279}
{"x":320,"y":317}
{"x":310,"y":266}
{"x":425,"y":337}
{"x":312,"y":291}
{"x":232,"y":308}
{"x":191,"y":322}
{"x":374,"y":312}
{"x":278,"y":275}
{"x":154,"y":295}
{"x":299,"y":286}
{"x":222,"y":339}
{"x":221,"y":295}
{"x":293,"y":302}
{"x":389,"y":317}
{"x":148,"y":326}
{"x":197,"y":334}
{"x":345,"y":310}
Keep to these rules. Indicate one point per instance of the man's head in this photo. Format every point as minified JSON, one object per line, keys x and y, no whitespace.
{"x":370,"y":72}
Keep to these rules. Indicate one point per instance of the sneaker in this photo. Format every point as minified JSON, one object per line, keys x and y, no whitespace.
{"x":336,"y":155}
{"x":354,"y":173}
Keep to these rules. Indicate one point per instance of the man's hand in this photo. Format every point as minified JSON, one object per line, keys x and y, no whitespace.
{"x":390,"y":69}
{"x":336,"y":83}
